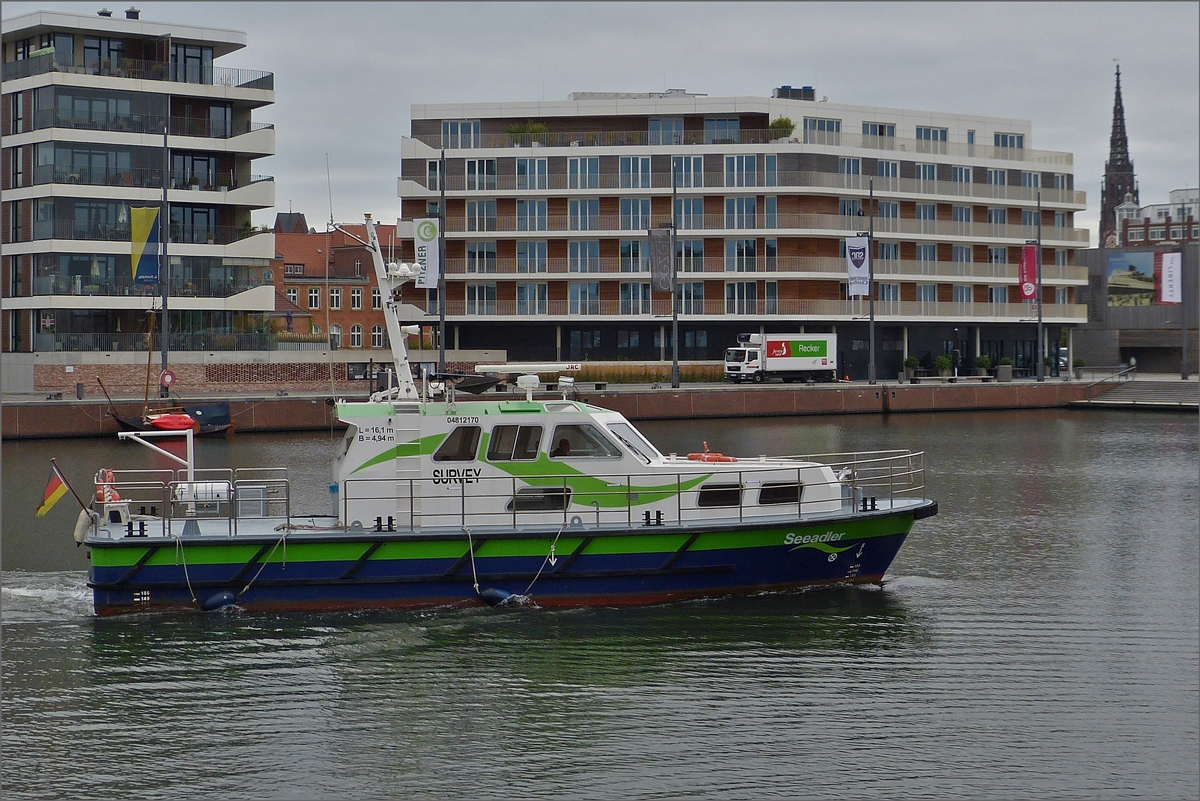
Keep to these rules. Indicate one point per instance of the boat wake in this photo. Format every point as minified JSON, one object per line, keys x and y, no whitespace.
{"x":914,"y":583}
{"x":31,"y":597}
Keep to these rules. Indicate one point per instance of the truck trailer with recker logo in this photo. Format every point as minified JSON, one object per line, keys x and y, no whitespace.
{"x":790,"y":357}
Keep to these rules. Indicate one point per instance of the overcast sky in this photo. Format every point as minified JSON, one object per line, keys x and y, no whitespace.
{"x":347,"y":73}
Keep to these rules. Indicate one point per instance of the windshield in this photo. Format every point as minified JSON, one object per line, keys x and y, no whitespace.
{"x":735,"y":355}
{"x":633,"y":440}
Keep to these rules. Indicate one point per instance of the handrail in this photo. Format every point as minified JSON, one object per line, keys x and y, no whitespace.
{"x":1115,"y":374}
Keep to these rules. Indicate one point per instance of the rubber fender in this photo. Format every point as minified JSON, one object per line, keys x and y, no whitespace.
{"x":494,"y":597}
{"x":219,"y":600}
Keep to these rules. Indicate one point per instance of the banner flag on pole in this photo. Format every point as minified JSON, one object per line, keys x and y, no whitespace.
{"x":143,"y":235}
{"x":661,"y":272}
{"x":425,"y":237}
{"x":858,"y":265}
{"x":1171,"y":282}
{"x":55,"y":489}
{"x":1027,"y":274}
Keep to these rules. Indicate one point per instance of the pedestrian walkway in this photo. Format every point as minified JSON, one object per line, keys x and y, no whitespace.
{"x":1150,"y":391}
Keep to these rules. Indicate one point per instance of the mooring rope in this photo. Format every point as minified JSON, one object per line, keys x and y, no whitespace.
{"x":471,"y":551}
{"x":547,"y":559}
{"x":179,"y":552}
{"x":263,"y":564}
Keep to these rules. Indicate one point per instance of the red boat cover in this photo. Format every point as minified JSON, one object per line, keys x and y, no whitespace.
{"x":172,"y":422}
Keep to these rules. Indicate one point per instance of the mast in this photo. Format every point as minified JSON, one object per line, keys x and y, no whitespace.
{"x":390,"y":278}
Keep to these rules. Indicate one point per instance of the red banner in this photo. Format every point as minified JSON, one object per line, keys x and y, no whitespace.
{"x":1027,"y":274}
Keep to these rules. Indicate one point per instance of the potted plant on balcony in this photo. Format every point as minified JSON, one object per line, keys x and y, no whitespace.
{"x":1004,"y":369}
{"x":1077,"y":363}
{"x":943,"y":364}
{"x":528,"y":132}
{"x":910,"y":368}
{"x":781,"y":128}
{"x":983,"y":364}
{"x":194,"y":182}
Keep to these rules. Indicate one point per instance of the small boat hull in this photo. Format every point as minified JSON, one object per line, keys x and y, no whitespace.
{"x":211,"y":419}
{"x":578,"y":567}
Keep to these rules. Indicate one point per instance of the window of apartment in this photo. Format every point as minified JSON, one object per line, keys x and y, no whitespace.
{"x":997,"y":216}
{"x":531,"y":257}
{"x":997,"y":255}
{"x":849,"y":166}
{"x":1031,"y":180}
{"x":850,"y":207}
{"x":970,"y":137}
{"x":377,"y":338}
{"x":481,"y":298}
{"x":821,"y":131}
{"x":291,"y":295}
{"x":888,"y":292}
{"x":460,"y":133}
{"x":961,"y":254}
{"x":931,"y":140}
{"x":961,"y":293}
{"x":635,"y":213}
{"x":741,"y":255}
{"x":741,"y":170}
{"x":1060,"y":181}
{"x":635,"y":297}
{"x":888,"y":251}
{"x":960,"y":214}
{"x":771,"y":170}
{"x":997,"y":177}
{"x":376,"y":298}
{"x":584,"y":214}
{"x":531,"y":215}
{"x":1009,"y":140}
{"x":433,"y":300}
{"x":18,"y":167}
{"x":627,"y":343}
{"x":1060,"y":219}
{"x":960,"y":175}
{"x":740,"y":212}
{"x":356,"y":298}
{"x":689,"y":171}
{"x":356,"y":336}
{"x":926,"y":211}
{"x":1156,"y":233}
{"x":689,"y":297}
{"x":531,"y":174}
{"x":721,"y":130}
{"x":314,"y":297}
{"x":635,"y":172}
{"x":531,"y":298}
{"x":104,"y":54}
{"x":1060,"y":257}
{"x":741,"y":297}
{"x":481,"y":215}
{"x":1136,"y":235}
{"x":771,"y":254}
{"x":689,"y":213}
{"x":189,"y":63}
{"x":1029,"y":217}
{"x":927,"y":252}
{"x":770,"y":211}
{"x":997,"y":294}
{"x":583,"y":297}
{"x":583,"y":173}
{"x":927,"y":293}
{"x":1061,"y":296}
{"x":432,"y":208}
{"x":583,"y":256}
{"x":335,"y":336}
{"x":633,"y":260}
{"x":481,"y":257}
{"x":887,"y":129}
{"x":293,"y":269}
{"x":335,"y":298}
{"x":666,"y":130}
{"x":433,"y":174}
{"x":926,"y":172}
{"x":689,"y":255}
{"x":481,"y":174}
{"x":888,"y":210}
{"x":887,"y":169}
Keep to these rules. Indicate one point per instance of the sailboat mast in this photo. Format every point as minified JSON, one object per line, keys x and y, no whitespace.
{"x":164,"y":268}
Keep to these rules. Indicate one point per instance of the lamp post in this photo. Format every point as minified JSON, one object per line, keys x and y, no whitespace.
{"x":1041,"y":364}
{"x":674,"y":291}
{"x":441,"y":288}
{"x":164,"y":229}
{"x":871,"y":280}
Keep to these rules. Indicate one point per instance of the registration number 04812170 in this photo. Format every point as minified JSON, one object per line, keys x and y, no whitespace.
{"x":462,"y":420}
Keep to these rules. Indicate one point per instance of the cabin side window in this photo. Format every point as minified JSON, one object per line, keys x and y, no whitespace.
{"x":460,"y":446}
{"x":779,"y":492}
{"x":719,"y":495}
{"x":581,"y":440}
{"x":518,"y":443}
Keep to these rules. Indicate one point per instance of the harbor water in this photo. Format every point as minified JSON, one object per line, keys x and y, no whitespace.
{"x":1038,"y":638}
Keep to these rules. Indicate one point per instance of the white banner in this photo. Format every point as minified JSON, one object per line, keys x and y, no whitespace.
{"x":858,"y":265}
{"x":425,"y":237}
{"x":1172,"y":278}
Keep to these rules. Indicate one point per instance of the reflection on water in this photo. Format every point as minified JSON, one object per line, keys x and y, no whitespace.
{"x":1038,"y":638}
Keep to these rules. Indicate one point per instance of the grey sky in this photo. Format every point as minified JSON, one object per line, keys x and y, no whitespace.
{"x":347,"y":73}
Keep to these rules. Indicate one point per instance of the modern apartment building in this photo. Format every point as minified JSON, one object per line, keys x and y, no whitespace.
{"x":102,"y":114}
{"x":548,"y":206}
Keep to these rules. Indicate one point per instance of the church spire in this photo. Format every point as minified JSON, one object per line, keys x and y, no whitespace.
{"x":1119,"y":179}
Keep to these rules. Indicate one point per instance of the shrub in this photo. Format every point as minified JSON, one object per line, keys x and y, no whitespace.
{"x":983,"y":362}
{"x":912,"y":361}
{"x":943,"y":362}
{"x":1077,"y":362}
{"x":1006,"y":360}
{"x":782,"y":126}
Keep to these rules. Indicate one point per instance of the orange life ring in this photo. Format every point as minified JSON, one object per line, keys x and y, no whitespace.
{"x":709,"y":456}
{"x":105,"y":492}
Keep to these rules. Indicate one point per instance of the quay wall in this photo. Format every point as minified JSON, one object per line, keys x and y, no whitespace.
{"x":70,"y":417}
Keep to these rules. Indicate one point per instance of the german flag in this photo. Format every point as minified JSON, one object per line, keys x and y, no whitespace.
{"x":55,"y":489}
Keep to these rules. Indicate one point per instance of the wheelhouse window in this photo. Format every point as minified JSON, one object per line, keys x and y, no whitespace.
{"x":716,"y":495}
{"x":630,"y":438}
{"x":581,"y":440}
{"x":779,"y":492}
{"x":460,"y":446}
{"x":509,"y":443}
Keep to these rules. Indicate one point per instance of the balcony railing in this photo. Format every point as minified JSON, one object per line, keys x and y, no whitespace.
{"x":758,"y":136}
{"x":140,"y":177}
{"x":124,"y":286}
{"x":200,"y":341}
{"x":119,"y":232}
{"x":721,"y":307}
{"x":763,"y":182}
{"x":143,"y":70}
{"x":841,"y":224}
{"x":146,"y":124}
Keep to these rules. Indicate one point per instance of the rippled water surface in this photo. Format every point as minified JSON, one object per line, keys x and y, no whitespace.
{"x":1038,"y":638}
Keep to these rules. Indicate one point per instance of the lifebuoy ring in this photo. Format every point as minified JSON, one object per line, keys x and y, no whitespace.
{"x":105,"y":492}
{"x":709,"y":456}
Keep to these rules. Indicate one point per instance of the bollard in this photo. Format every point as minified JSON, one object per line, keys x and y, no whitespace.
{"x":79,"y":391}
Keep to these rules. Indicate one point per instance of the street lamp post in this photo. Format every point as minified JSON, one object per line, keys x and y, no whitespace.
{"x":164,"y":228}
{"x":674,"y":291}
{"x":441,"y":287}
{"x":871,"y":280}
{"x":1041,"y":363}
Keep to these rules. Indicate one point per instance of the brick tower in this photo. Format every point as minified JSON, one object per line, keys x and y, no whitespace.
{"x":1119,"y":179}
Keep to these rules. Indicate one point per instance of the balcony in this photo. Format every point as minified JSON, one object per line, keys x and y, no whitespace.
{"x":762,"y":183}
{"x":760,"y":136}
{"x":181,"y":342}
{"x":200,"y":127}
{"x":119,"y":232}
{"x":124,"y":286}
{"x":143,"y":70}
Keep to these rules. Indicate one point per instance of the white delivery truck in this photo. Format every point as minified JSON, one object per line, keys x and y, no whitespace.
{"x":791,"y":357}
